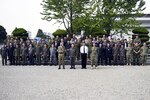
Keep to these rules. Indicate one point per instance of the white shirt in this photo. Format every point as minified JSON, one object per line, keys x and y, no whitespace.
{"x":84,"y":49}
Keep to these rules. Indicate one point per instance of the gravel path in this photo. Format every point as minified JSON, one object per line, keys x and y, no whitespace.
{"x":49,"y":83}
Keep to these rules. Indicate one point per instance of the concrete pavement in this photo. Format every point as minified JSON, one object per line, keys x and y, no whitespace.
{"x":49,"y":83}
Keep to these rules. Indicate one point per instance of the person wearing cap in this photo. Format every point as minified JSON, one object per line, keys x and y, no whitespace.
{"x":72,"y":56}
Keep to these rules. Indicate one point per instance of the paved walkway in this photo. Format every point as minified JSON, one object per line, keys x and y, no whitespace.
{"x":49,"y":83}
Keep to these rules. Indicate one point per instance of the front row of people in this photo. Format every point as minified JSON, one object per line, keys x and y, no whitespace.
{"x":99,"y":55}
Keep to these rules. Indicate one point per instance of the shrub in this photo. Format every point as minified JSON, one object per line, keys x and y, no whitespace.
{"x":142,"y":33}
{"x":99,"y":33}
{"x":20,"y":33}
{"x":60,"y":33}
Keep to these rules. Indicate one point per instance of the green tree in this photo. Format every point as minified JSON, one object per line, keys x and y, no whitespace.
{"x":20,"y":33}
{"x":3,"y":34}
{"x":111,"y":15}
{"x":40,"y":34}
{"x":64,"y":11}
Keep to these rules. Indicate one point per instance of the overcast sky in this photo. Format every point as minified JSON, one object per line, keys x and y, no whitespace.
{"x":26,"y":14}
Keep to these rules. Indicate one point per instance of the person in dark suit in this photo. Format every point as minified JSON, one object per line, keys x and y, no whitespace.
{"x":100,"y":55}
{"x":11,"y":53}
{"x":109,"y":54}
{"x":4,"y":55}
{"x":31,"y":54}
{"x":84,"y":53}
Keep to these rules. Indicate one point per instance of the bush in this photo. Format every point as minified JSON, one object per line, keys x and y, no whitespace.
{"x":140,"y":30}
{"x":142,"y":33}
{"x":60,"y":33}
{"x":99,"y":33}
{"x":20,"y":33}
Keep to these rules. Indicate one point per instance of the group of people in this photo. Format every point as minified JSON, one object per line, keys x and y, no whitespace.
{"x":54,"y":51}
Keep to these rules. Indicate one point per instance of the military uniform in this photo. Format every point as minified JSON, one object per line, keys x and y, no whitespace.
{"x":31,"y":55}
{"x":17,"y":55}
{"x":144,"y":50}
{"x":4,"y":55}
{"x":109,"y":55}
{"x":45,"y":55}
{"x":38,"y":51}
{"x":53,"y":58}
{"x":94,"y":56}
{"x":24,"y":54}
{"x":11,"y":54}
{"x":115,"y":55}
{"x":72,"y":57}
{"x":100,"y":55}
{"x":61,"y":53}
{"x":128,"y":55}
{"x":122,"y":56}
{"x":136,"y":55}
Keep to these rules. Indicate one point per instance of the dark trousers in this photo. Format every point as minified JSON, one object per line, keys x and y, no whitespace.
{"x":72,"y":59}
{"x":100,"y":60}
{"x":108,"y":60}
{"x":136,"y":59}
{"x":4,"y":60}
{"x":84,"y":60}
{"x":31,"y":59}
{"x":11,"y":59}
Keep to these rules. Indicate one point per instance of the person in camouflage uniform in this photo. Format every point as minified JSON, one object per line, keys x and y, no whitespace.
{"x":17,"y":54}
{"x":136,"y":54}
{"x":94,"y":56}
{"x":45,"y":54}
{"x":128,"y":54}
{"x":61,"y":54}
{"x":144,"y":51}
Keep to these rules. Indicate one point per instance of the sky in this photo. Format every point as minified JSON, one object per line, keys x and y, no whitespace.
{"x":26,"y":14}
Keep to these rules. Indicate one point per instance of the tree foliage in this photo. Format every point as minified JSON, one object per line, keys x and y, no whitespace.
{"x":117,"y":16}
{"x":20,"y":33}
{"x":40,"y":34}
{"x":3,"y":34}
{"x":64,"y":11}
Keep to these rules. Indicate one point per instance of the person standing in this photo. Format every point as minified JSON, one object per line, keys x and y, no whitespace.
{"x":4,"y":54}
{"x":109,"y":54}
{"x":84,"y":53}
{"x":72,"y":56}
{"x":61,"y":54}
{"x":94,"y":56}
{"x":31,"y":54}
{"x":53,"y":55}
{"x":38,"y":51}
{"x":136,"y":54}
{"x":45,"y":54}
{"x":24,"y":54}
{"x":128,"y":55}
{"x":100,"y":55}
{"x":17,"y":54}
{"x":144,"y":51}
{"x":11,"y":53}
{"x":122,"y":55}
{"x":115,"y":54}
